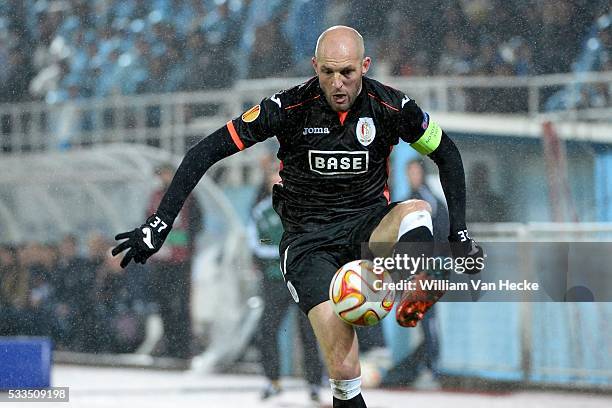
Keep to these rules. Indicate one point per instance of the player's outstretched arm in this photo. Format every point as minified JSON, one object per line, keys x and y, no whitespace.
{"x":452,"y":177}
{"x":144,"y":241}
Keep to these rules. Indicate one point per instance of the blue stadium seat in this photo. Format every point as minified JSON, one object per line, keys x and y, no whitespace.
{"x":25,"y":362}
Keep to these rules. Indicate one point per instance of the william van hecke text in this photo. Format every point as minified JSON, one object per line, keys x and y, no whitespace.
{"x":445,"y":285}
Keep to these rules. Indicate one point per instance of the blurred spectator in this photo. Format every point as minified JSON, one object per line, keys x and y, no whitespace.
{"x":265,"y":231}
{"x":17,"y":75}
{"x":106,"y":75}
{"x":406,"y":59}
{"x":556,"y":34}
{"x":38,"y":263}
{"x":189,"y":15}
{"x":155,"y":83}
{"x":218,"y":25}
{"x":456,"y":54}
{"x":302,"y":31}
{"x":484,"y":204}
{"x":426,"y":355}
{"x":486,"y":60}
{"x":97,"y":244}
{"x":604,"y":51}
{"x":171,"y":272}
{"x":13,"y":293}
{"x":419,"y":190}
{"x":74,"y":285}
{"x":208,"y":66}
{"x":175,"y":70}
{"x":97,"y":247}
{"x":119,"y":327}
{"x":271,"y":55}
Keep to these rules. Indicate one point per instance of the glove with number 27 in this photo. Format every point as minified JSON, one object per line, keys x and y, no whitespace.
{"x":143,"y":241}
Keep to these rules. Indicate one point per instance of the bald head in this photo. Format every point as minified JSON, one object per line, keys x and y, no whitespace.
{"x":340,"y":40}
{"x":340,"y":64}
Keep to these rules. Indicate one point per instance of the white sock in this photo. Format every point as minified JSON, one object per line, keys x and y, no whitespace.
{"x":346,"y":389}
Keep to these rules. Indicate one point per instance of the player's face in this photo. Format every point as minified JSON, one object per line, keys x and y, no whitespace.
{"x":340,"y":78}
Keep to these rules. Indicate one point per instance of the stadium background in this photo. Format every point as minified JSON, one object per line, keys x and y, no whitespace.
{"x":96,"y":94}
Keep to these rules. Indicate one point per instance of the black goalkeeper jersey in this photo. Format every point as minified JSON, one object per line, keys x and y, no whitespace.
{"x":334,"y":165}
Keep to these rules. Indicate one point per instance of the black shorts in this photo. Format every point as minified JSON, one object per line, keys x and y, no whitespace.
{"x":310,"y":259}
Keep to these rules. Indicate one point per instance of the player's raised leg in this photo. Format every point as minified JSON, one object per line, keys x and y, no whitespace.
{"x":408,"y":229}
{"x":405,"y":220}
{"x":338,"y":342}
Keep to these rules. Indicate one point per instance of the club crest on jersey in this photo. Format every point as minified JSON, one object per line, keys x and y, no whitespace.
{"x":251,"y":114}
{"x":366,"y":131}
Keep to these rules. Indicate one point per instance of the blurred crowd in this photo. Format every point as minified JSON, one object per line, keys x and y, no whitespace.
{"x":489,"y":37}
{"x":85,"y":303}
{"x":56,"y":50}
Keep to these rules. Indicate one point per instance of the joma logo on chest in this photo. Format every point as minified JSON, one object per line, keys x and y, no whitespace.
{"x":315,"y":131}
{"x":338,"y":162}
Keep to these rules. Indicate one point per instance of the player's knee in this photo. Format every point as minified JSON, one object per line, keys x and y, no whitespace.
{"x":410,"y":206}
{"x":345,"y":389}
{"x":416,"y":224}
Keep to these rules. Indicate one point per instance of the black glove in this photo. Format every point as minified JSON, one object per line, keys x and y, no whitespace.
{"x":462,"y":246}
{"x":143,"y":241}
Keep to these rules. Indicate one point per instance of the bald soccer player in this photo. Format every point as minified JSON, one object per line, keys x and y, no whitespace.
{"x":335,"y":132}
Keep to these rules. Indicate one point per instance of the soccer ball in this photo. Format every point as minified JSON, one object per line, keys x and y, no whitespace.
{"x":358,"y":295}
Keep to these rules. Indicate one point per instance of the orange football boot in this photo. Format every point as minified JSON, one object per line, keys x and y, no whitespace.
{"x":415,"y":303}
